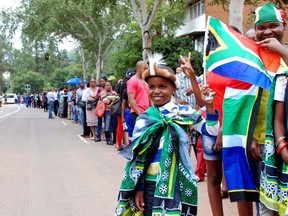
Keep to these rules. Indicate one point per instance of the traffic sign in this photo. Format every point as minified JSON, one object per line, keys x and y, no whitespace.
{"x":27,"y":87}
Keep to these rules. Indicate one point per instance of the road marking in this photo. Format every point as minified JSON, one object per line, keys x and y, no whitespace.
{"x":10,"y":113}
{"x":83,"y":139}
{"x":64,"y":123}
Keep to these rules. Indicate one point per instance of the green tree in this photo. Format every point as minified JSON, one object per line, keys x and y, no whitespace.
{"x":95,"y":31}
{"x":172,"y":47}
{"x":61,"y":75}
{"x":125,"y":53}
{"x":128,"y":52}
{"x":36,"y":80}
{"x":145,"y":12}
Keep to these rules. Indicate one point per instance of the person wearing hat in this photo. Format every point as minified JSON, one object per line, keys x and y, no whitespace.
{"x":159,"y":177}
{"x":270,"y":25}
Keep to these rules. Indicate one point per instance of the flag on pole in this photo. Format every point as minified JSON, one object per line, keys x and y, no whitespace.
{"x":231,"y":54}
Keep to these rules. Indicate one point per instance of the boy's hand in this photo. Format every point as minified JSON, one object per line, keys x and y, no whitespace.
{"x":187,"y":67}
{"x":208,"y":94}
{"x":139,"y":200}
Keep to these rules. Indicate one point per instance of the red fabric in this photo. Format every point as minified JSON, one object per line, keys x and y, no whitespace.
{"x":120,"y":131}
{"x":218,"y":84}
{"x":201,"y":163}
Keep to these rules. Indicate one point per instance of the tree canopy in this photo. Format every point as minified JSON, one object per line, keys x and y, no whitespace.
{"x":108,"y":35}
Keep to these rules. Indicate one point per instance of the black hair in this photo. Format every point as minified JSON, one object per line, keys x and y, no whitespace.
{"x":104,"y":78}
{"x":235,"y":28}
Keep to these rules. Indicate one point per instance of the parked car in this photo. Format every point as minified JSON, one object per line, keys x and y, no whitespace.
{"x":10,"y":98}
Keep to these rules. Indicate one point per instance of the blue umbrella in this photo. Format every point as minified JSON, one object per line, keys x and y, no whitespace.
{"x":73,"y":81}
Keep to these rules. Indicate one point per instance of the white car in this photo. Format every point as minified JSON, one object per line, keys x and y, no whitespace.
{"x":10,"y":98}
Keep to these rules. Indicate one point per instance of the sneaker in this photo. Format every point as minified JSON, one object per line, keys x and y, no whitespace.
{"x":109,"y":142}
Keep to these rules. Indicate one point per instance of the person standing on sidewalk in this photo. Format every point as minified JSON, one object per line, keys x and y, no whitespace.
{"x":137,"y":90}
{"x":82,"y":109}
{"x":102,"y":82}
{"x":50,"y":98}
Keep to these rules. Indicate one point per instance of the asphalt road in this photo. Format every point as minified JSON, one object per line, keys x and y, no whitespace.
{"x":46,"y":169}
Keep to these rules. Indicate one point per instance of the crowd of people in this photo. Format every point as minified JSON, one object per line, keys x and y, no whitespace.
{"x":164,"y":115}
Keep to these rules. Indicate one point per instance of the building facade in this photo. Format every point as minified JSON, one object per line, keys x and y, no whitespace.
{"x":197,"y":13}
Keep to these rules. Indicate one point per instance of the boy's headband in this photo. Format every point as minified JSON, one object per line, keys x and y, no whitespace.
{"x":157,"y":68}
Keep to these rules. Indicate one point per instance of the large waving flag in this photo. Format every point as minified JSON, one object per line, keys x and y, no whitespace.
{"x":250,"y":66}
{"x":231,"y":54}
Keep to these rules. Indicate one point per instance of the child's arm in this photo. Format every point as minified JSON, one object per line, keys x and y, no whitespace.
{"x":139,"y":200}
{"x":279,"y":130}
{"x":212,"y":116}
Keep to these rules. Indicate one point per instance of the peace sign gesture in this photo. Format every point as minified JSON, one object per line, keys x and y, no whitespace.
{"x":187,"y":67}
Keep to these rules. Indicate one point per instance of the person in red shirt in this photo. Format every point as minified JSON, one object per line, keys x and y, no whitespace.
{"x":137,"y":90}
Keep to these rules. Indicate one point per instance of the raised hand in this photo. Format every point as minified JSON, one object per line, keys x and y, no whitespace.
{"x":187,"y":67}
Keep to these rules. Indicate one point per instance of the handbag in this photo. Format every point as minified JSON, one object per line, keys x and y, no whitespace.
{"x":100,"y":109}
{"x":116,"y":107}
{"x":81,"y":104}
{"x":91,"y":104}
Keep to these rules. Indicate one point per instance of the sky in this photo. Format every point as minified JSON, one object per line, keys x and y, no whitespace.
{"x":67,"y":44}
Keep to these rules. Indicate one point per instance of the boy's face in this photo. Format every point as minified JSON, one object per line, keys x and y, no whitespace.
{"x":160,"y":90}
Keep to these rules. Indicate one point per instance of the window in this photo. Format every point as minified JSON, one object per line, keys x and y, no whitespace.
{"x":196,"y":9}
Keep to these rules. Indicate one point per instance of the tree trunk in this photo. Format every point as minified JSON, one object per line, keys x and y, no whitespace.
{"x":144,"y":16}
{"x":82,"y":56}
{"x":236,"y":13}
{"x":99,"y":62}
{"x":146,"y":43}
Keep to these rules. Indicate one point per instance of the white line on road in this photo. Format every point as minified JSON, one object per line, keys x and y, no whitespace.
{"x":83,"y":139}
{"x":10,"y":113}
{"x":64,"y":123}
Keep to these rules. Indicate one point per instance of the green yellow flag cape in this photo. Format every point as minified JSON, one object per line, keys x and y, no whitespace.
{"x":176,"y":190}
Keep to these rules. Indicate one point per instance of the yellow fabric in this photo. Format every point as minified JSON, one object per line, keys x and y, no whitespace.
{"x":260,"y":129}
